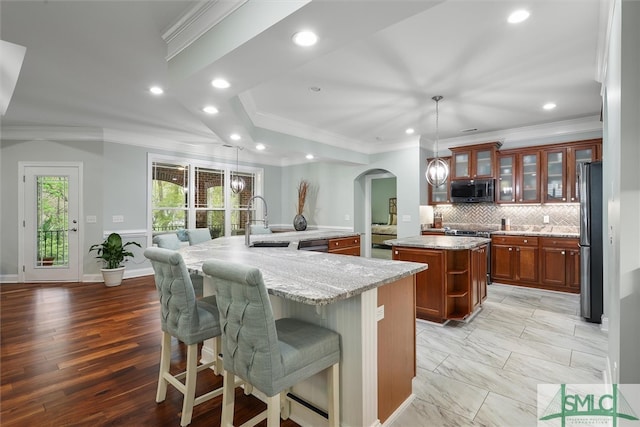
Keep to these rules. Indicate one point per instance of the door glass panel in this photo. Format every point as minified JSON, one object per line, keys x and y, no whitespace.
{"x":529,"y":177}
{"x":483,"y":163}
{"x":52,"y":221}
{"x":169,"y":197}
{"x":505,"y":177}
{"x":555,"y":176}
{"x":462,"y":164}
{"x":581,"y":156}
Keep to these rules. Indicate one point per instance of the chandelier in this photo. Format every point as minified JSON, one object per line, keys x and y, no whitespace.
{"x":437,"y":168}
{"x":237,"y":183}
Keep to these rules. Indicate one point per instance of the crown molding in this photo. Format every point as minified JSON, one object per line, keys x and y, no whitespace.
{"x":195,"y":22}
{"x":51,"y":133}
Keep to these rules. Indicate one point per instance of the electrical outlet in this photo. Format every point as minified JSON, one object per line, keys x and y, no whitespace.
{"x":406,"y":218}
{"x":117,"y":218}
{"x":91,"y":219}
{"x":545,"y":219}
{"x":347,"y":217}
{"x":380,"y":313}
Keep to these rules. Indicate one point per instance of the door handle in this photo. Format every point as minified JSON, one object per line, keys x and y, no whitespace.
{"x":74,"y":229}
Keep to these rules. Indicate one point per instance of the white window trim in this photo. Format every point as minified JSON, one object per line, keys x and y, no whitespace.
{"x":228,"y":168}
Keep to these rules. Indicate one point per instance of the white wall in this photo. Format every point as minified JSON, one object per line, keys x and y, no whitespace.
{"x":622,"y":191}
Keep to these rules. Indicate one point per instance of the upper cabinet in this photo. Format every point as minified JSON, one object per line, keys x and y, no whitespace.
{"x":440,"y":195}
{"x":474,"y":161}
{"x":560,"y":169}
{"x":518,"y":176}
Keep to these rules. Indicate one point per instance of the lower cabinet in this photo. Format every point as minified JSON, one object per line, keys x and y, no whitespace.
{"x":345,"y":246}
{"x":454,"y":284}
{"x":560,"y":263}
{"x":542,"y":262}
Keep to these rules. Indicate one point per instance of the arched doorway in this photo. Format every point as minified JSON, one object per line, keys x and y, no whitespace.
{"x":377,"y":209}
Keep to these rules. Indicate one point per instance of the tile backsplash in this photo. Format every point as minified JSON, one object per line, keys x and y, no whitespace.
{"x":520,"y":216}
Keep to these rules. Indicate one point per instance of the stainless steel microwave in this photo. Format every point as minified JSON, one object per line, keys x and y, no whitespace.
{"x":473,"y":191}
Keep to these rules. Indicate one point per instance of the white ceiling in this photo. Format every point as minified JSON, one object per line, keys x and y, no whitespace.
{"x":377,"y":63}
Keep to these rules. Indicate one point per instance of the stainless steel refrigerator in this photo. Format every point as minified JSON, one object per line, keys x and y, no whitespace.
{"x":591,"y":243}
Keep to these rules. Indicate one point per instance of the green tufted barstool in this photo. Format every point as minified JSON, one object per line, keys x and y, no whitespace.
{"x":198,"y":235}
{"x":187,"y":319}
{"x":171,"y":241}
{"x":272,"y":355}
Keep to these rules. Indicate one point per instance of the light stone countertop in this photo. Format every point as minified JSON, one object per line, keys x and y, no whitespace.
{"x":535,"y":233}
{"x":298,"y":236}
{"x":439,"y":242}
{"x":314,"y":278}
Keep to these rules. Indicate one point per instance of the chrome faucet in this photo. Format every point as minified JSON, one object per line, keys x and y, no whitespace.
{"x":247,"y":230}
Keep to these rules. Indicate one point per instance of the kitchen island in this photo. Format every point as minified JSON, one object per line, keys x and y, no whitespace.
{"x":370,"y":302}
{"x":454,"y":285}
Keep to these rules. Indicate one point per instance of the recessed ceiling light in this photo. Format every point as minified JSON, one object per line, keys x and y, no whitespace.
{"x":309,"y":156}
{"x":518,"y":16}
{"x":305,"y":38}
{"x":156,"y":90}
{"x":260,"y":147}
{"x":235,"y":137}
{"x":315,"y":89}
{"x":410,"y":131}
{"x":210,"y":109}
{"x":549,"y":106}
{"x":220,"y":83}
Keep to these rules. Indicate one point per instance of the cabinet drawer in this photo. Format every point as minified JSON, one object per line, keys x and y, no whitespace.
{"x":432,"y":233}
{"x":559,"y":242}
{"x":354,"y":251}
{"x":344,"y":242}
{"x":515,"y":240}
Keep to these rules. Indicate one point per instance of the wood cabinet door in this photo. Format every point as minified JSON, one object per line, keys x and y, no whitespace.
{"x":476,"y":257}
{"x":429,"y":283}
{"x":528,"y":183}
{"x":573,"y":270}
{"x":483,"y":163}
{"x":506,"y":179}
{"x":527,"y":263}
{"x":554,"y":266}
{"x":461,"y":165}
{"x":501,"y":262}
{"x":554,"y":176}
{"x":482,"y":273}
{"x":577,"y":155}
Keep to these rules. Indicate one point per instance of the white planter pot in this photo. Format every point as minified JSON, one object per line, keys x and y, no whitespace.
{"x":112,"y":276}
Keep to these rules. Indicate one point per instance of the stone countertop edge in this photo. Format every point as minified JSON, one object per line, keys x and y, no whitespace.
{"x":534,"y":234}
{"x":439,"y":242}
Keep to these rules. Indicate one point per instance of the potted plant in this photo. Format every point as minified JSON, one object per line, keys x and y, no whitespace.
{"x":113,"y":253}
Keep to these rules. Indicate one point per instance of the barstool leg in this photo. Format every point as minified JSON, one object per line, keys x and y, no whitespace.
{"x":333,"y":385}
{"x":273,"y":411}
{"x":190,"y":384}
{"x":165,"y":361}
{"x":228,"y":399}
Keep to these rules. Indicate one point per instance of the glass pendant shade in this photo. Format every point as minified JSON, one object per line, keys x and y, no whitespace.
{"x":237,"y":184}
{"x":437,"y":172}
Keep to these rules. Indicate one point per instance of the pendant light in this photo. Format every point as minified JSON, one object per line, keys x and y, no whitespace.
{"x":237,"y":183}
{"x":437,"y":169}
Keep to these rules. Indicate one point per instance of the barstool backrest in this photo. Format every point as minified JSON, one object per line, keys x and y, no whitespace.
{"x":167,"y":241}
{"x":198,"y":235}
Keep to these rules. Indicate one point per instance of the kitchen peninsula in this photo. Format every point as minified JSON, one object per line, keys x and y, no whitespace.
{"x":455,"y":282}
{"x":370,"y":302}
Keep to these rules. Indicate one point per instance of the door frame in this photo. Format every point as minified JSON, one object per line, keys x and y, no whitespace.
{"x":22,"y":165}
{"x":367,"y":204}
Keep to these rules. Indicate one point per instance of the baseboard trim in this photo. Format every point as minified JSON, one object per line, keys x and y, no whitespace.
{"x":128,"y":274}
{"x":393,"y":417}
{"x":9,"y":278}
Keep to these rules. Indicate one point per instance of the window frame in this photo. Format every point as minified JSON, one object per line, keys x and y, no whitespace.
{"x":192,"y":163}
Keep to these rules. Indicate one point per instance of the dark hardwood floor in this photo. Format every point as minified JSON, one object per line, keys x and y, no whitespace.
{"x":82,"y":354}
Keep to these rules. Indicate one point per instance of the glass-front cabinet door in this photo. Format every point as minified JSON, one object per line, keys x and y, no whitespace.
{"x":529,"y":178}
{"x":461,"y":165}
{"x":484,"y":163}
{"x":554,"y":187}
{"x":580,"y":155}
{"x":506,"y":179}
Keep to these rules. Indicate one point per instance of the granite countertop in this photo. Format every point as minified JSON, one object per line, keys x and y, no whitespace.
{"x":535,"y":233}
{"x":439,"y":242}
{"x":298,"y":236}
{"x":314,"y":278}
{"x":521,"y":230}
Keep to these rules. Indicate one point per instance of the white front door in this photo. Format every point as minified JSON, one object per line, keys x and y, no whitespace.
{"x":50,"y":228}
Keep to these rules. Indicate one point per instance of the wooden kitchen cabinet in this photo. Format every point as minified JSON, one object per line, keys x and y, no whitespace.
{"x":518,"y":176}
{"x":440,"y":195}
{"x":560,"y":169}
{"x":429,"y":297}
{"x":479,"y":276}
{"x":514,"y":259}
{"x":345,"y":246}
{"x":560,"y":263}
{"x":474,"y":161}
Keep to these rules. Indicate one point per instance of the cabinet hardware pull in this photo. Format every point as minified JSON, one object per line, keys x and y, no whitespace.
{"x":573,"y":198}
{"x":562,"y":252}
{"x":517,"y":249}
{"x":396,"y":252}
{"x":525,"y":240}
{"x":564,"y":198}
{"x":510,"y":249}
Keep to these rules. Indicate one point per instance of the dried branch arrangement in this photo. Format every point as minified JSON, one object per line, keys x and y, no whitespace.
{"x":303,"y":187}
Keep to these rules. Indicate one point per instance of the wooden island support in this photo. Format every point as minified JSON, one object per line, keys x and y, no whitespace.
{"x":455,"y":282}
{"x":369,"y":302}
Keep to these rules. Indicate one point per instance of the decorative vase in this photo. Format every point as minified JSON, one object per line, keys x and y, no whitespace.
{"x":299,"y":222}
{"x":112,"y":276}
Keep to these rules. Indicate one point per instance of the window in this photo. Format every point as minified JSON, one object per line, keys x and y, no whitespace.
{"x":187,"y":194}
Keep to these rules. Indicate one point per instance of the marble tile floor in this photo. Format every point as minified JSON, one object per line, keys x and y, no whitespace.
{"x":485,"y":372}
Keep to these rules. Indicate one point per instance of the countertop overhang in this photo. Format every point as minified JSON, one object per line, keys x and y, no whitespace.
{"x":314,"y":278}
